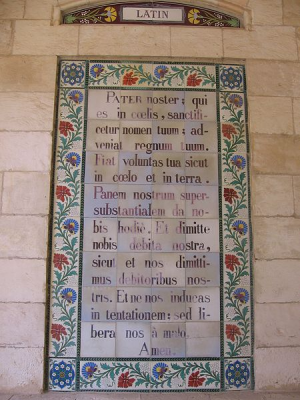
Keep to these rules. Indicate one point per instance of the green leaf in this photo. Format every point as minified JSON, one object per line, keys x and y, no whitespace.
{"x":209,"y":381}
{"x":139,"y":382}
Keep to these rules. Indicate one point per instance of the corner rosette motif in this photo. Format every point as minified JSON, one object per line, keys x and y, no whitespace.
{"x":237,"y":374}
{"x":231,"y":78}
{"x":62,"y":374}
{"x":72,"y":74}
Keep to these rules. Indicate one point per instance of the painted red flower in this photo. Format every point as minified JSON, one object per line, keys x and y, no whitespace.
{"x":192,"y":80}
{"x":195,"y":380}
{"x":61,"y":192}
{"x":230,"y":194}
{"x":228,"y":130}
{"x":57,"y":330}
{"x":65,"y":127}
{"x":129,"y":80}
{"x":60,"y":260}
{"x":232,"y":331}
{"x":231,"y":261}
{"x":124,"y":381}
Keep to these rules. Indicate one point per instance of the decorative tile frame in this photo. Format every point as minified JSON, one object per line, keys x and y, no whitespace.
{"x":67,"y":371}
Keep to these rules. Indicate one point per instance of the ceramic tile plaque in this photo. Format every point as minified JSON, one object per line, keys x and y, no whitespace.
{"x":150,"y":272}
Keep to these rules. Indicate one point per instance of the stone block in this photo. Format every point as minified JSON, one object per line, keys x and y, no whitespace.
{"x":12,"y":9}
{"x":39,"y":38}
{"x":5,"y":37}
{"x":35,"y":74}
{"x":277,"y":369}
{"x":291,"y":12}
{"x":39,"y":9}
{"x":28,"y":321}
{"x":275,"y":155}
{"x":1,"y":183}
{"x":276,"y":238}
{"x":29,"y":366}
{"x":296,"y":186}
{"x":26,"y":193}
{"x":204,"y":42}
{"x":26,"y":111}
{"x":271,"y":115}
{"x":277,"y":281}
{"x":277,"y":325}
{"x":272,"y":195}
{"x":271,"y":43}
{"x":261,"y":81}
{"x":129,"y":40}
{"x":28,"y":278}
{"x":267,"y":12}
{"x":296,"y":112}
{"x":25,"y":151}
{"x":24,"y":237}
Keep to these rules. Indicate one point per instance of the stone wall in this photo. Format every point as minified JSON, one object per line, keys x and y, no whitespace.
{"x":31,"y":40}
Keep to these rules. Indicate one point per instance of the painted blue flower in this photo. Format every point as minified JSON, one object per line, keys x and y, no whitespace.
{"x":89,"y":369}
{"x":161,"y":71}
{"x":96,"y":70}
{"x":71,"y":226}
{"x":62,"y":374}
{"x":72,"y":74}
{"x":73,"y":159}
{"x":69,"y":295}
{"x":236,"y":100}
{"x":240,"y":227}
{"x":242,"y":295}
{"x":237,"y":374}
{"x":239,"y":161}
{"x":231,"y":78}
{"x":159,"y":370}
{"x":76,"y":96}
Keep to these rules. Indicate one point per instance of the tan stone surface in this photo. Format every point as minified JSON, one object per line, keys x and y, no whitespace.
{"x":277,"y":369}
{"x":28,"y":320}
{"x":29,"y":363}
{"x":39,"y":38}
{"x":26,"y":193}
{"x":277,"y":281}
{"x":271,"y":43}
{"x":131,"y":40}
{"x":291,"y":12}
{"x":296,"y":186}
{"x":1,"y":183}
{"x":232,"y":395}
{"x":26,"y":111}
{"x":272,"y":195}
{"x":271,"y":115}
{"x":276,"y":238}
{"x":275,"y":155}
{"x":24,"y":237}
{"x":204,"y":42}
{"x":12,"y":9}
{"x":277,"y":325}
{"x":39,"y":9}
{"x":296,"y":110}
{"x":266,"y":12}
{"x":5,"y":37}
{"x":25,"y":151}
{"x":28,"y":277}
{"x":275,"y":78}
{"x":34,"y":74}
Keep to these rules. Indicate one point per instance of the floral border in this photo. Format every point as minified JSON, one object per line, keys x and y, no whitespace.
{"x":237,"y":336}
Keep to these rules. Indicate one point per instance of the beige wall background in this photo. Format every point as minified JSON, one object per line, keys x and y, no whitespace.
{"x":31,"y":42}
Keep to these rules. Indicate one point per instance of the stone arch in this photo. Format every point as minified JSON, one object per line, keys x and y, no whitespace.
{"x":236,"y":8}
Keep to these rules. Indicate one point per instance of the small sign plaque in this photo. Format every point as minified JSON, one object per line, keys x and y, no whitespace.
{"x":152,"y":14}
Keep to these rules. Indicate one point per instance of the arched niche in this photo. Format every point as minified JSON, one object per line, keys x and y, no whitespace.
{"x":235,"y":8}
